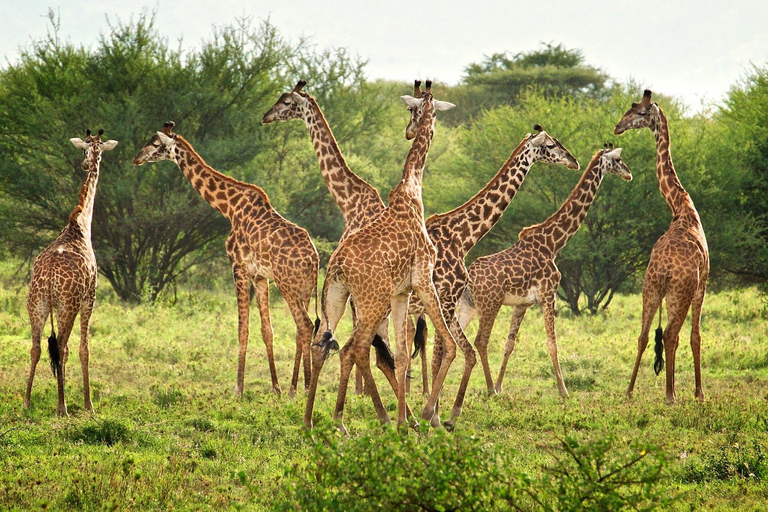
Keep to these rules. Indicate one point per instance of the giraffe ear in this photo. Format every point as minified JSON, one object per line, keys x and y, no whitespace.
{"x":299,"y":98}
{"x":165,"y":139}
{"x":411,"y":101}
{"x":443,"y":105}
{"x":78,"y":143}
{"x":109,"y":145}
{"x":614,"y":154}
{"x":539,"y":138}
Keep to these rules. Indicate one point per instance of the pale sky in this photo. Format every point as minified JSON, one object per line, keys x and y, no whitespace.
{"x":694,"y":50}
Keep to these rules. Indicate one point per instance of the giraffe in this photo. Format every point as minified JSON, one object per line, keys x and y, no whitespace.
{"x":358,"y":201}
{"x":64,"y":279}
{"x":379,"y":265}
{"x":679,"y":264}
{"x":262,"y":245}
{"x":455,"y":232}
{"x":526,"y":273}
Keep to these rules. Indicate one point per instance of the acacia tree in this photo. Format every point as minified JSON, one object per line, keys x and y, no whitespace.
{"x":149,"y":224}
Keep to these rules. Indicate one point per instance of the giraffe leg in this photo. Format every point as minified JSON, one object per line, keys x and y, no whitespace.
{"x":485,"y":326}
{"x":359,"y":390}
{"x":677,"y":309}
{"x":651,"y":302}
{"x":548,"y":305}
{"x":698,"y":302}
{"x":65,"y":323}
{"x":424,"y":367}
{"x":384,"y":366}
{"x":334,"y":302}
{"x":261,"y":286}
{"x":243,"y":310}
{"x":37,"y":321}
{"x":357,"y":351}
{"x":409,"y":331}
{"x":304,"y":329}
{"x":470,"y":360}
{"x":428,"y":295}
{"x":85,"y":320}
{"x":402,"y":355}
{"x":518,"y":313}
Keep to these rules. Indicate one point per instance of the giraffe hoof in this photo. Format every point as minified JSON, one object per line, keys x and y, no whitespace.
{"x":342,"y":429}
{"x":494,"y":391}
{"x":449,"y":425}
{"x":435,"y":421}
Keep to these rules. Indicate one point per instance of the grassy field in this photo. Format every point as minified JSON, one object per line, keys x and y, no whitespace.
{"x":168,"y":433}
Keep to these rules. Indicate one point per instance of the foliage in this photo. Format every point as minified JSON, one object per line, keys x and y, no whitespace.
{"x":726,"y":462}
{"x":501,"y":78}
{"x":389,"y":471}
{"x":593,"y":476}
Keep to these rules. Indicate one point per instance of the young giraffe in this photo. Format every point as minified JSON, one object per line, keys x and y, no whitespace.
{"x":526,"y":273}
{"x":64,"y":280}
{"x":679,"y":264}
{"x":261,"y":246}
{"x":454,"y":233}
{"x":379,"y":265}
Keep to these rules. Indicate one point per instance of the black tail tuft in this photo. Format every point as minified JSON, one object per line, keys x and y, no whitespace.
{"x":418,"y":337}
{"x":53,"y":351}
{"x":328,"y":344}
{"x":317,"y":328}
{"x":383,"y":352}
{"x":658,"y":363}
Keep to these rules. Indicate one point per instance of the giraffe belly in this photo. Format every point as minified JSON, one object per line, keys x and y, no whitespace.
{"x":527,"y":299}
{"x":259,"y":268}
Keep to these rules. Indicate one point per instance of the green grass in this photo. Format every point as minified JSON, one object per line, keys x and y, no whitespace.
{"x":168,"y":433}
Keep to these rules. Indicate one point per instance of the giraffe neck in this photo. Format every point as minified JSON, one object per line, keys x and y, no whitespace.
{"x":348,"y":190}
{"x":83,"y":212}
{"x":674,"y":194}
{"x":219,"y":190}
{"x":565,"y":222}
{"x":409,"y":189}
{"x":471,"y":221}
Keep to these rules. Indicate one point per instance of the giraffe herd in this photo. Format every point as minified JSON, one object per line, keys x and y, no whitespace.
{"x":390,"y":262}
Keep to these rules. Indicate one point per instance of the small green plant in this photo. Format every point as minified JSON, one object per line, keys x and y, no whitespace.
{"x":106,"y":431}
{"x":165,"y":398}
{"x":593,"y":475}
{"x":728,"y":462}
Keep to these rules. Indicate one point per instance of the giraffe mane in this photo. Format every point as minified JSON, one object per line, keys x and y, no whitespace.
{"x":218,"y":174}
{"x":528,"y":231}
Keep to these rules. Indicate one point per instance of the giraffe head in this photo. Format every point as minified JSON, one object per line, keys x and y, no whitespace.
{"x":92,"y":148}
{"x":160,"y":146}
{"x":640,"y":115}
{"x":415,"y":105}
{"x":610,"y":162}
{"x":546,"y":148}
{"x":290,"y":105}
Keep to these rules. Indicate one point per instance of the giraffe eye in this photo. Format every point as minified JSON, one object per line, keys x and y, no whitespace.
{"x":286,"y":102}
{"x":550,"y":146}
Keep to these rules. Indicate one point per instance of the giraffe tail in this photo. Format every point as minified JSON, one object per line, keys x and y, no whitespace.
{"x":53,"y":351}
{"x":418,"y":336}
{"x":328,"y":344}
{"x":317,"y":317}
{"x":658,"y":363}
{"x":383,"y":353}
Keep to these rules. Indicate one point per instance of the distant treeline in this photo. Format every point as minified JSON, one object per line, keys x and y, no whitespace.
{"x":150,"y":227}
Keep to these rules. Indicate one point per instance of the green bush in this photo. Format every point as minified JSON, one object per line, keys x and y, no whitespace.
{"x":102,"y":431}
{"x":456,"y":471}
{"x":727,"y":462}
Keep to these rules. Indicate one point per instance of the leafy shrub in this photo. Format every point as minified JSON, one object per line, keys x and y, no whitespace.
{"x":106,"y":431}
{"x":727,"y":462}
{"x":454,"y":471}
{"x":593,"y":476}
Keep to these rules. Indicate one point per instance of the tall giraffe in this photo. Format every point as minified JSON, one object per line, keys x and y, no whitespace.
{"x":64,"y":280}
{"x":262,"y":245}
{"x":526,"y":274}
{"x":358,"y":201}
{"x":679,"y":264}
{"x":455,"y":232}
{"x":379,"y":265}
